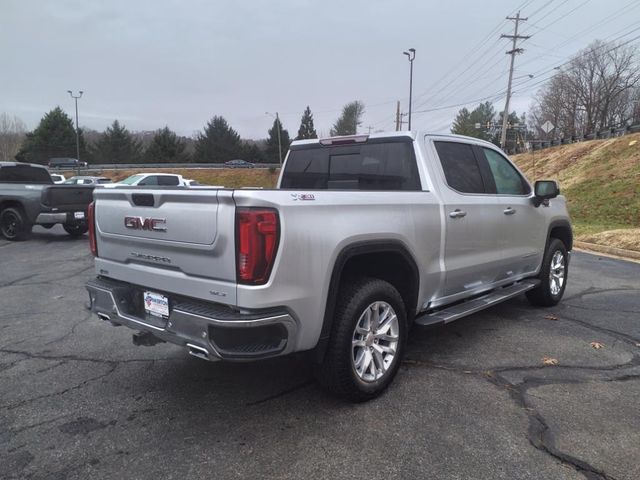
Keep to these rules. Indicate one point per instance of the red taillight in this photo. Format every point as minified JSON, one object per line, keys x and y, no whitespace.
{"x":91,"y":214}
{"x":257,"y":235}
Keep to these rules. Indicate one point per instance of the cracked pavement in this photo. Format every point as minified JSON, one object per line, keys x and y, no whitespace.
{"x":473,"y":399}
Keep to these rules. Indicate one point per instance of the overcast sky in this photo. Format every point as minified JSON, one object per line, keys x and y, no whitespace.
{"x":151,"y":63}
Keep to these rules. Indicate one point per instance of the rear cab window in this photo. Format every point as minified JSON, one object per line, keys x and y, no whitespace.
{"x":378,"y":164}
{"x":25,"y":174}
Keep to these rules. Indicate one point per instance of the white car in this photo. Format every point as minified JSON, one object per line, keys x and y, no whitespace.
{"x":154,"y":179}
{"x":57,"y":178}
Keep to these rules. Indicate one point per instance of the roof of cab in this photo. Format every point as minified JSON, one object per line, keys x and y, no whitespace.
{"x":413,"y":134}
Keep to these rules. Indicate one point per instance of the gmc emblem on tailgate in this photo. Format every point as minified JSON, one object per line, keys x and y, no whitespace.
{"x":141,"y":223}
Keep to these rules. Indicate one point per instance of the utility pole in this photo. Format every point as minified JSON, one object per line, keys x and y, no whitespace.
{"x":514,"y":50}
{"x":76,"y":97}
{"x":398,"y":116}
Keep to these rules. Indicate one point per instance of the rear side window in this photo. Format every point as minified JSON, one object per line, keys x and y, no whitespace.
{"x":507,"y":179}
{"x":371,"y":166}
{"x":461,"y":169}
{"x":25,"y":174}
{"x":167,"y":180}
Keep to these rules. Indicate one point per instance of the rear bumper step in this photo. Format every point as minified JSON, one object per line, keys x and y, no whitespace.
{"x":459,"y":310}
{"x":208,"y":331}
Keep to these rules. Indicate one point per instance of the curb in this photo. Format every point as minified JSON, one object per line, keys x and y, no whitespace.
{"x":612,"y":251}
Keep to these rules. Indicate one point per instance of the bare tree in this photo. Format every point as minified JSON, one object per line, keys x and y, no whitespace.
{"x":12,"y":132}
{"x":594,"y":91}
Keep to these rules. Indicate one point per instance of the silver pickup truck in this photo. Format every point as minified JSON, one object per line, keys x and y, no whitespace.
{"x":363,"y":237}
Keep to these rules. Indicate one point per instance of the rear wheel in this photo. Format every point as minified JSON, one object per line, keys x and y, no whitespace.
{"x":14,"y":224}
{"x":76,"y":229}
{"x":367,"y":340}
{"x":553,"y":276}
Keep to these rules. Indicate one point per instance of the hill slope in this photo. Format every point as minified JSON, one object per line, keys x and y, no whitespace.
{"x":601,"y":180}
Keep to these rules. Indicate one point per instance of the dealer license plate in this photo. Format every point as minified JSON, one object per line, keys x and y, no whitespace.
{"x":78,"y":215}
{"x":156,"y":304}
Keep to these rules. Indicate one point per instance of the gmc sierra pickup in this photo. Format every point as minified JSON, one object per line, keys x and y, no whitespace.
{"x":28,"y":196}
{"x":363,"y":237}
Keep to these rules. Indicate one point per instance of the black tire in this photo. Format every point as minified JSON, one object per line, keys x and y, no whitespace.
{"x":544,"y":295}
{"x":76,"y":229}
{"x":337,"y":372}
{"x":14,"y":224}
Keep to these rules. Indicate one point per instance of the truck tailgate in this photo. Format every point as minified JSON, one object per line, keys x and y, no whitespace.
{"x":161,"y":238}
{"x":67,"y":197}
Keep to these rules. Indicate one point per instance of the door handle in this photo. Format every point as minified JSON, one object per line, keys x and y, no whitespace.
{"x":509,"y":211}
{"x":457,"y":213}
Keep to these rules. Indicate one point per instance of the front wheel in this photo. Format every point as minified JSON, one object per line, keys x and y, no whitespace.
{"x":14,"y":224}
{"x":553,"y":276}
{"x":76,"y":229}
{"x":367,"y":340}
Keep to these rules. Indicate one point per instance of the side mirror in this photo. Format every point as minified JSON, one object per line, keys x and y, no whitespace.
{"x":545,"y":190}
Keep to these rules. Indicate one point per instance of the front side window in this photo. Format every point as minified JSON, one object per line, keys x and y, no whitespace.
{"x":507,"y":179}
{"x":461,"y":169}
{"x":152,"y":180}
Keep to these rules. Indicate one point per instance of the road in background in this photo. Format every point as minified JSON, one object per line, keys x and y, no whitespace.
{"x":472,"y":400}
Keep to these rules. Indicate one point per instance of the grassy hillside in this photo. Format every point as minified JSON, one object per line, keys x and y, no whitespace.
{"x":601,"y":180}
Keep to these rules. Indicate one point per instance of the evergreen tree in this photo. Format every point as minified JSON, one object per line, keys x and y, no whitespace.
{"x":467,"y":123}
{"x":117,"y":145}
{"x":306,"y":130}
{"x":218,"y":143}
{"x":55,"y":136}
{"x":273,"y":152}
{"x":166,"y":147}
{"x":462,"y":123}
{"x":349,"y":120}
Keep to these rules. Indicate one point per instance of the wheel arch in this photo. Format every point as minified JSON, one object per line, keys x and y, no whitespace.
{"x":561,"y":229}
{"x":357,"y":259}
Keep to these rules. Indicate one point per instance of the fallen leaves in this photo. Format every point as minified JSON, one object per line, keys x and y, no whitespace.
{"x":550,"y":317}
{"x":597,"y":345}
{"x":550,"y":361}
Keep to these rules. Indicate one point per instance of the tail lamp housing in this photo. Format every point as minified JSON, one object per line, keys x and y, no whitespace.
{"x":257,"y":238}
{"x":91,"y":220}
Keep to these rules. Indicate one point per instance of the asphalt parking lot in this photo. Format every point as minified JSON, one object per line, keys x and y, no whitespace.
{"x":473,"y":399}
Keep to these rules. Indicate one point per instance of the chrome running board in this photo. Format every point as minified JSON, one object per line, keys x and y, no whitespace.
{"x":467,"y":307}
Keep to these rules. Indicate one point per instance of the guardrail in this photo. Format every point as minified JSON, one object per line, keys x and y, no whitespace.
{"x":602,"y":134}
{"x":146,"y":166}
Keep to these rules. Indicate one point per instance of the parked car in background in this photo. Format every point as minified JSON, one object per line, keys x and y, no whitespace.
{"x":57,"y":178}
{"x":29,"y":197}
{"x":239,"y":164}
{"x":66,"y":163}
{"x":87,"y":180}
{"x":152,"y":179}
{"x":192,"y":183}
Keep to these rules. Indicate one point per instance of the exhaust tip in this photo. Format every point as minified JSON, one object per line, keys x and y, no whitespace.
{"x":197,"y":351}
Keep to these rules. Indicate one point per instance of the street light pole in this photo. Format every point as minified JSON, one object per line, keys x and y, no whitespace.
{"x":279,"y":141}
{"x":411,"y":55}
{"x":76,"y":97}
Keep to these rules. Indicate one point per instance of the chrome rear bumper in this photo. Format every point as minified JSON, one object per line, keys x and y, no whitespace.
{"x":209,"y":331}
